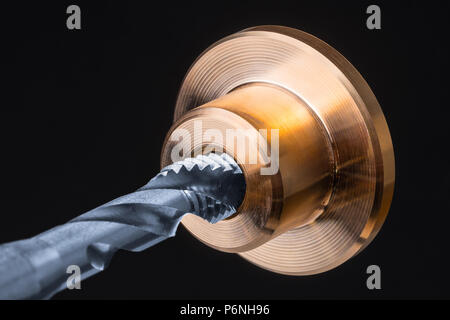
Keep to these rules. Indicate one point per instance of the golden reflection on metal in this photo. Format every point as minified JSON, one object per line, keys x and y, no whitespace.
{"x":336,"y":168}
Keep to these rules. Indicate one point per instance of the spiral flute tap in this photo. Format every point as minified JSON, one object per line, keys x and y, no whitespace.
{"x":210,"y":187}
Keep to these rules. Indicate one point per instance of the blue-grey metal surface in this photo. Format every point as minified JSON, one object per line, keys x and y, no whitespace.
{"x":211,"y":187}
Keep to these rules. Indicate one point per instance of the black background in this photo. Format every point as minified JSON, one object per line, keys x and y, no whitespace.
{"x":84,"y":114}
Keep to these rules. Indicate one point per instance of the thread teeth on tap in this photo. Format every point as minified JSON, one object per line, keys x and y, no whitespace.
{"x":209,"y":208}
{"x":215,"y":175}
{"x":213,"y":161}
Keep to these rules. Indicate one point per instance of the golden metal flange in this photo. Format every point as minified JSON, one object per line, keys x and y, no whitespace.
{"x":335,"y":181}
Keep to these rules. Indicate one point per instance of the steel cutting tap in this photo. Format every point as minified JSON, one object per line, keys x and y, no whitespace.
{"x":35,"y":268}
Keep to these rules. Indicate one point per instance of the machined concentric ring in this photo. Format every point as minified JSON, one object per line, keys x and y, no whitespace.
{"x":346,"y":108}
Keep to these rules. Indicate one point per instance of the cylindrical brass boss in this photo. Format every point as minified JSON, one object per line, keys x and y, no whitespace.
{"x":310,"y":138}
